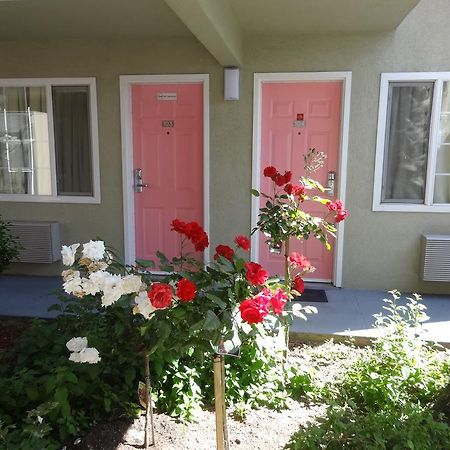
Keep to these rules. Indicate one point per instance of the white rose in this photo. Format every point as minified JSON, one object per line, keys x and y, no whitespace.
{"x":68,"y":254}
{"x":131,"y":284}
{"x":89,"y":286}
{"x":89,"y":355}
{"x":72,"y":284}
{"x":96,"y":282}
{"x":75,"y":357}
{"x":112,"y":289}
{"x":143,"y":305}
{"x":77,"y":344}
{"x":94,"y":250}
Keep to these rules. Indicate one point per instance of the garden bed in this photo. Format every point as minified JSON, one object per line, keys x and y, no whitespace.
{"x":10,"y":329}
{"x":261,"y":429}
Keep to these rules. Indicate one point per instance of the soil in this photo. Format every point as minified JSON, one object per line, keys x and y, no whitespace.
{"x":263,"y":429}
{"x":10,"y":329}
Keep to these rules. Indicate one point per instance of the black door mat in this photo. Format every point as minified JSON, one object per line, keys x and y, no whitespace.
{"x":312,"y":296}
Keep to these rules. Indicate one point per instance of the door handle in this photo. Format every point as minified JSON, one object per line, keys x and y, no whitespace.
{"x":138,"y":184}
{"x":331,"y":179}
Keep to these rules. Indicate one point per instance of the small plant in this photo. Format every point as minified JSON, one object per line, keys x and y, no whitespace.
{"x":383,"y":400}
{"x":9,"y":246}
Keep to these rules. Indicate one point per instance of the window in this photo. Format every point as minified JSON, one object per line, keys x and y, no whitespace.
{"x":48,"y":140}
{"x":412,"y":168}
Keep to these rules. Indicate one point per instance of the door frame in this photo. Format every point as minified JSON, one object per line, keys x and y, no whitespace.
{"x":290,"y":77}
{"x":126,"y":81}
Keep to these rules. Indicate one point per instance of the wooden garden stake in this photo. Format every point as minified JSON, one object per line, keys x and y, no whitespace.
{"x":219,"y":395}
{"x":287,"y":284}
{"x":148,"y":404}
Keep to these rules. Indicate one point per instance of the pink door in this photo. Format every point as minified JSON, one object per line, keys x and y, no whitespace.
{"x":283,"y":146}
{"x":168,"y":148}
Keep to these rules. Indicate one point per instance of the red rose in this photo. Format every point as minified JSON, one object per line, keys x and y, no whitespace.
{"x":178,"y":225}
{"x":194,"y":231}
{"x":278,"y":300}
{"x":287,"y":176}
{"x":289,"y":189}
{"x":270,"y":171}
{"x":298,"y":260}
{"x":253,"y":310}
{"x":279,"y":180}
{"x":186,"y":290}
{"x":225,"y":251}
{"x":160,"y":295}
{"x":202,"y":243}
{"x":341,"y":215}
{"x":242,"y":242}
{"x":255,"y":274}
{"x":299,"y":285}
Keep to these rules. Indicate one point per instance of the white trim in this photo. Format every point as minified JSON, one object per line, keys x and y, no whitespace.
{"x":377,"y":205}
{"x":126,"y":81}
{"x":259,"y":79}
{"x":47,"y":83}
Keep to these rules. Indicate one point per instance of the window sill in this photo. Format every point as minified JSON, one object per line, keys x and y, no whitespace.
{"x":414,"y":208}
{"x":25,"y":198}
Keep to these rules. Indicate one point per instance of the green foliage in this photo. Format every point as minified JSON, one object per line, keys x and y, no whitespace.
{"x":9,"y":247}
{"x":282,"y":217}
{"x":383,"y":400}
{"x":343,"y":428}
{"x":403,"y":367}
{"x":37,"y":372}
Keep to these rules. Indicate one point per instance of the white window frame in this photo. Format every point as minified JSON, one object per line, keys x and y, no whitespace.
{"x":47,"y":83}
{"x":438,"y":79}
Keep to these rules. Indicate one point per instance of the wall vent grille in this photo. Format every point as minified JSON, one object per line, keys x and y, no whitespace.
{"x":40,"y":241}
{"x":435,"y":257}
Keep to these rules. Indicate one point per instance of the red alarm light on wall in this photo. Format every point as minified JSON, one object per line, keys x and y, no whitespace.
{"x":300,"y":116}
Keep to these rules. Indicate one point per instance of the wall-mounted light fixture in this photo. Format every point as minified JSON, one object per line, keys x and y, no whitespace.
{"x":231,"y":83}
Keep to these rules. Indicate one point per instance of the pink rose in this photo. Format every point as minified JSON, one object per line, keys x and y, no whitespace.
{"x":278,"y":300}
{"x":298,"y":260}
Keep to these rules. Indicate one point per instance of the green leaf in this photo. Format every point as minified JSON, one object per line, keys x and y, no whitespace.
{"x":254,"y":192}
{"x":145,"y":263}
{"x":129,"y":374}
{"x":32,"y":392}
{"x":212,"y":322}
{"x":197,"y":326}
{"x":216,"y":300}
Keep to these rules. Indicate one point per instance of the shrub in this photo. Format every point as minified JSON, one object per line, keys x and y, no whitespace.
{"x":9,"y":247}
{"x":383,"y":400}
{"x":37,"y":372}
{"x":343,"y":428}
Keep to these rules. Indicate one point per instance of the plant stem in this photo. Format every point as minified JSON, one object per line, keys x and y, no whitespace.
{"x":148,"y":403}
{"x":219,"y":402}
{"x":287,"y":285}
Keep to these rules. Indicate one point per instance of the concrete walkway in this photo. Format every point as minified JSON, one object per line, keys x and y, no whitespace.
{"x":348,"y":312}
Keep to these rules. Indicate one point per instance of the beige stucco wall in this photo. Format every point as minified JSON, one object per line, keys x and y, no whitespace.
{"x":381,"y":249}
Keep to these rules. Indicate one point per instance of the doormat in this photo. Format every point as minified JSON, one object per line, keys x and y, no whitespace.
{"x":312,"y":296}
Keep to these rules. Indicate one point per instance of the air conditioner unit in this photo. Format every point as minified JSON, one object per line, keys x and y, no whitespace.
{"x":40,"y":241}
{"x":435,"y":264}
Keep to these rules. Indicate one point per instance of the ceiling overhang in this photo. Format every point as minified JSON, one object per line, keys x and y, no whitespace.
{"x":220,"y":25}
{"x":213,"y":23}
